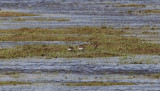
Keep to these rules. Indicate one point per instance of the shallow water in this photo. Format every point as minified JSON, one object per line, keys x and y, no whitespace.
{"x":8,"y":44}
{"x":51,"y":87}
{"x":149,"y":38}
{"x":83,"y":65}
{"x":81,"y":13}
{"x":49,"y":74}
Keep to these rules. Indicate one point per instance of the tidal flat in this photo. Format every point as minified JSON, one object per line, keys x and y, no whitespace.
{"x":75,"y":73}
{"x":120,"y":40}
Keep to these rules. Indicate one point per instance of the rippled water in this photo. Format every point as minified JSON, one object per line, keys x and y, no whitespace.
{"x":81,"y":12}
{"x":49,"y":74}
{"x":82,"y":65}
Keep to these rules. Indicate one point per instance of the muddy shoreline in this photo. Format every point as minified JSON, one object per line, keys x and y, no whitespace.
{"x":51,"y":74}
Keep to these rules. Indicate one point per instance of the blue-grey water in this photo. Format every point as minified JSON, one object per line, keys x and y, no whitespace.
{"x":51,"y":74}
{"x":9,"y":44}
{"x":82,"y":13}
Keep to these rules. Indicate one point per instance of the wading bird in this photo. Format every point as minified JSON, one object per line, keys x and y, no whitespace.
{"x":81,"y":47}
{"x":70,"y":48}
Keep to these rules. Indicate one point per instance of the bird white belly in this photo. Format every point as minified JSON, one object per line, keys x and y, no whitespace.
{"x":69,"y":49}
{"x":80,"y":48}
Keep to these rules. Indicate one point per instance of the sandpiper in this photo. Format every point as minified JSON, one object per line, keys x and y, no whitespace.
{"x":70,"y":48}
{"x":80,"y":47}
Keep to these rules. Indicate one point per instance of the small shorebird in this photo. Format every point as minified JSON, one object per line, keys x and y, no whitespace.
{"x":81,"y":47}
{"x":70,"y":48}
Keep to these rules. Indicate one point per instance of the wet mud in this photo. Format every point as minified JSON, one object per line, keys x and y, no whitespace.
{"x":51,"y":74}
